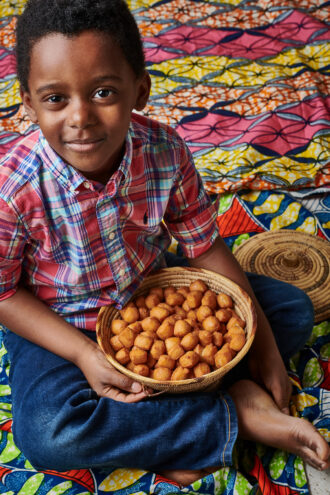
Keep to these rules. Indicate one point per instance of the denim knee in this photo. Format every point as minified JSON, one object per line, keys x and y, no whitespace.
{"x":289,"y":311}
{"x":49,"y":438}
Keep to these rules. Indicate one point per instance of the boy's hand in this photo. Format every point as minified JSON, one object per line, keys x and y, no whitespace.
{"x":106,"y":381}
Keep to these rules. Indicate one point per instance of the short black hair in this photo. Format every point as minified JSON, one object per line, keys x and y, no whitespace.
{"x":71,"y":17}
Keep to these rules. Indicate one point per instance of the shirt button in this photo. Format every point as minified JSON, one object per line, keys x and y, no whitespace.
{"x":122,"y":272}
{"x":112,"y":236}
{"x":87,"y":185}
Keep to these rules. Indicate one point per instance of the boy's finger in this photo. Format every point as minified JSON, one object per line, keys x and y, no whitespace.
{"x":124,"y":382}
{"x":117,"y":395}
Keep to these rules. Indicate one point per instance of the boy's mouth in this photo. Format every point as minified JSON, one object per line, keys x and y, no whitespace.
{"x":84,"y":145}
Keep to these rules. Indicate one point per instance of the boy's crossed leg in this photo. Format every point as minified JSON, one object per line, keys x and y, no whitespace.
{"x":260,"y":420}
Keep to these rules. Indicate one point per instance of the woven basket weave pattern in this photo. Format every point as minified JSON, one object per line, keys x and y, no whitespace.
{"x":294,"y":257}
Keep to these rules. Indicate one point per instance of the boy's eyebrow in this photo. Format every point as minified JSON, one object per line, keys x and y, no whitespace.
{"x":100,"y":79}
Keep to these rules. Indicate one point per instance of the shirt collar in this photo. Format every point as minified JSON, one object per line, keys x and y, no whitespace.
{"x":69,"y":178}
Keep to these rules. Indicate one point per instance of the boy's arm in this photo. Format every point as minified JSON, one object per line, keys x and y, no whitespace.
{"x":266,"y":364}
{"x":28,"y":317}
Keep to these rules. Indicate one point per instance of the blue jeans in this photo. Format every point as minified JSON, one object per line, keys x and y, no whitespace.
{"x":60,"y":423}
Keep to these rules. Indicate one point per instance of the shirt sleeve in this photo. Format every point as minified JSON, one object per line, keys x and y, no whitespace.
{"x":12,"y":242}
{"x":191,"y":215}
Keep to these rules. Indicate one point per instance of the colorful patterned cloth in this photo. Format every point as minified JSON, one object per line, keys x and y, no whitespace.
{"x":246,"y":84}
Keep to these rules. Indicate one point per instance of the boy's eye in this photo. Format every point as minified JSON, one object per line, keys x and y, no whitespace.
{"x":54,"y":99}
{"x":103,"y":93}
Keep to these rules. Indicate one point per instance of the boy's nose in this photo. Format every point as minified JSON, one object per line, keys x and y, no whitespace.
{"x":81,"y":115}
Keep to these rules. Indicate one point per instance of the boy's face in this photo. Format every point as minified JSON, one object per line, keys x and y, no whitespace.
{"x":81,"y":93}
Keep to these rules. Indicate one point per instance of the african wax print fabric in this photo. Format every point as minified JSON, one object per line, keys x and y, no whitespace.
{"x":246,"y":83}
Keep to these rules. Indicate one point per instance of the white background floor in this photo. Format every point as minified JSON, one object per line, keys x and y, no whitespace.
{"x":319,"y":481}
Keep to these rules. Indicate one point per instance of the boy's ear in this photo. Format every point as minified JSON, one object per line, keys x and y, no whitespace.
{"x":26,"y":99}
{"x":143,"y":92}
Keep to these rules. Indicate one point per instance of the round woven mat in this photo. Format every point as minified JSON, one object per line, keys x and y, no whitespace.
{"x":294,"y":257}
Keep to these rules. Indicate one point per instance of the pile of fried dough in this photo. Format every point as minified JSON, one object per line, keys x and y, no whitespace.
{"x":177,"y":333}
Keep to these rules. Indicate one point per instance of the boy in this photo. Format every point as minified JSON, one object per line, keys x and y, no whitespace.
{"x":81,"y":224}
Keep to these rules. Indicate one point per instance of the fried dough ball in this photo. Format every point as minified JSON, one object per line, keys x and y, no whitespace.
{"x":152,"y":300}
{"x":171,"y":319}
{"x":224,"y":300}
{"x":211,"y":323}
{"x":166,"y":306}
{"x":150,"y":324}
{"x":201,"y":369}
{"x":161,"y":374}
{"x":189,"y":341}
{"x":130,"y":304}
{"x":191,"y":315}
{"x":192,"y":323}
{"x":127,"y":337}
{"x":174,"y":299}
{"x":169,"y":290}
{"x":157,"y":290}
{"x":159,"y":313}
{"x":144,"y":313}
{"x":194,"y":299}
{"x":138,"y":356}
{"x":235,"y":320}
{"x":210,"y":299}
{"x":165,"y":330}
{"x":198,"y":285}
{"x":180,"y":311}
{"x":236,"y":329}
{"x":136,"y":327}
{"x":171,"y":341}
{"x":183,"y":290}
{"x":223,"y":356}
{"x":205,"y":337}
{"x":165,"y":361}
{"x":175,"y":351}
{"x":117,"y":326}
{"x":203,"y":312}
{"x":157,"y":349}
{"x":217,"y":339}
{"x":189,"y":359}
{"x":180,"y":373}
{"x":130,"y":314}
{"x":151,"y":361}
{"x":223,"y":315}
{"x":143,"y":341}
{"x":186,"y":306}
{"x":236,"y":342}
{"x":199,"y":348}
{"x":140,"y":302}
{"x":141,"y":369}
{"x":181,"y":328}
{"x":208,"y":354}
{"x":130,"y":366}
{"x":115,"y":343}
{"x":122,"y":356}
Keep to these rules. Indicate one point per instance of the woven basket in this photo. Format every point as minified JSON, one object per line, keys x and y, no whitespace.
{"x":295,"y":257}
{"x":178,"y":277}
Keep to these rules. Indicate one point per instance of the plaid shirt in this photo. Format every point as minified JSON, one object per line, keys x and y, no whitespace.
{"x":79,"y":245}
